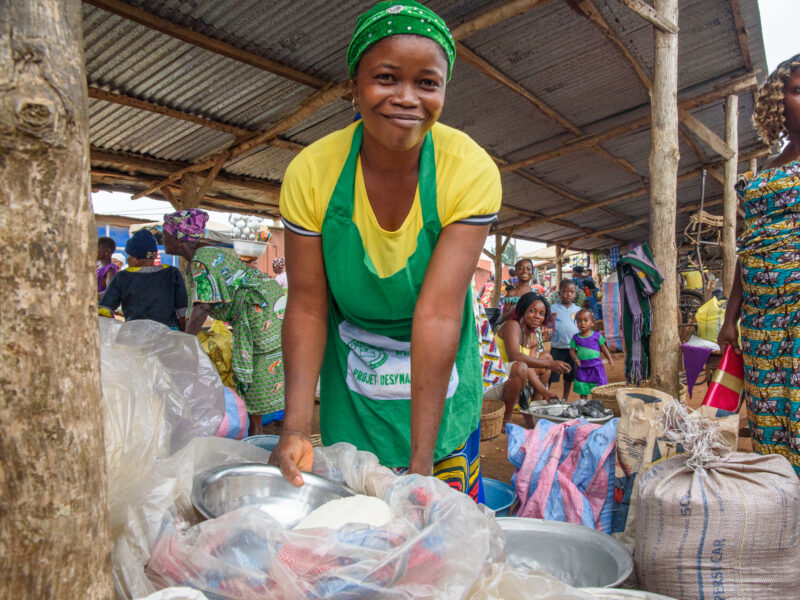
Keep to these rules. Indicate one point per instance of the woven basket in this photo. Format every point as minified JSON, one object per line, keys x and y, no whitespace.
{"x":491,"y":418}
{"x":607,"y":394}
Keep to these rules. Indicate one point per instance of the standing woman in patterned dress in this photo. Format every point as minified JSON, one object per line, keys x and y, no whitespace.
{"x":385,"y":220}
{"x":225,"y":288}
{"x":766,"y":288}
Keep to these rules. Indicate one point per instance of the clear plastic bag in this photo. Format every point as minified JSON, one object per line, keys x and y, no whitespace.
{"x":160,"y":390}
{"x":139,"y":509}
{"x":436,"y":546}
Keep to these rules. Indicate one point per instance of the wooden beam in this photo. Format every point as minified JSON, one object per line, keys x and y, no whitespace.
{"x":592,"y":205}
{"x":643,"y":221}
{"x":483,"y":66}
{"x":590,"y":11}
{"x":697,"y":127}
{"x":311,"y":104}
{"x":185,"y":34}
{"x":734,"y":86}
{"x":566,"y":193}
{"x":494,"y":16}
{"x":100,"y":94}
{"x":649,"y":14}
{"x":104,"y":179}
{"x":136,"y":162}
{"x":559,"y":265}
{"x":730,"y":203}
{"x":212,"y":175}
{"x":741,"y":34}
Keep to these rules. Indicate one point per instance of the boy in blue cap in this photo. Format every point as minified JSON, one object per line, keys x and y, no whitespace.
{"x":146,"y":291}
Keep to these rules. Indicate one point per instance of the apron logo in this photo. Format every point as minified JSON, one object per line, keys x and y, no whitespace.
{"x":371,"y":355}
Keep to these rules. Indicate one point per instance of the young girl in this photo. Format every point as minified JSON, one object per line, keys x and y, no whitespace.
{"x":519,"y":341}
{"x":585,"y":349}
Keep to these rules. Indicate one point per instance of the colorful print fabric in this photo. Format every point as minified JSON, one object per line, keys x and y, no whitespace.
{"x":253,"y":304}
{"x":769,"y":253}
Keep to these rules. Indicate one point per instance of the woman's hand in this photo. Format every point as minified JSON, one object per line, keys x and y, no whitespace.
{"x":294,"y":453}
{"x":729,"y":334}
{"x":558,"y":366}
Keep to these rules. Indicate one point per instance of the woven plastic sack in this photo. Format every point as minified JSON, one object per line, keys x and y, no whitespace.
{"x":640,"y":443}
{"x":709,"y":319}
{"x":436,"y":545}
{"x":717,"y":524}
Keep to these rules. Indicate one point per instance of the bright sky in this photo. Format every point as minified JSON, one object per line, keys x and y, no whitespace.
{"x":779,"y":21}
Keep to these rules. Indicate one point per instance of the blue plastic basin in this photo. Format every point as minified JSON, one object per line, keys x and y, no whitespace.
{"x":498,"y":496}
{"x":266,"y":441}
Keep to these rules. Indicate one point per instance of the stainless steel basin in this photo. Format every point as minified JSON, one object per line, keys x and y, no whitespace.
{"x":223,"y":489}
{"x":576,"y":555}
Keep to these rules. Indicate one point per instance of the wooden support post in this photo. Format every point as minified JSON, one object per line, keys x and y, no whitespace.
{"x":190,"y":187}
{"x":730,"y":202}
{"x":753,"y":165}
{"x":559,"y":265}
{"x":55,"y":537}
{"x":664,"y":156}
{"x":498,"y":270}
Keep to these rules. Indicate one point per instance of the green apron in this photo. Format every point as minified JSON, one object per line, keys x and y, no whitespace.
{"x":365,"y":380}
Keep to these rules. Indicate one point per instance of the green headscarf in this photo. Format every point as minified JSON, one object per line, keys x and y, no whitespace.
{"x":395,"y":17}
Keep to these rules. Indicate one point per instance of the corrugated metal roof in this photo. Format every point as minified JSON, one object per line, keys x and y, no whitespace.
{"x":550,"y":51}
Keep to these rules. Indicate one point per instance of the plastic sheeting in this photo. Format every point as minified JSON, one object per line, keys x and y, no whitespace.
{"x":436,"y":545}
{"x":565,"y":471}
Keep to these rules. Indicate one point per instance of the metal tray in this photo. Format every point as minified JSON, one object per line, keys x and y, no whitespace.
{"x":577,"y":555}
{"x":223,"y":489}
{"x":544,"y":412}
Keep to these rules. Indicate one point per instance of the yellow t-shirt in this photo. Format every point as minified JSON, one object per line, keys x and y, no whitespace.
{"x":467,"y":191}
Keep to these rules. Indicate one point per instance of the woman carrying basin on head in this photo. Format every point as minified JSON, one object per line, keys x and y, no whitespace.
{"x":385,"y":222}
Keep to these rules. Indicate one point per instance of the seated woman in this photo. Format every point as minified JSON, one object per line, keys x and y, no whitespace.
{"x":523,"y":271}
{"x":519,"y":341}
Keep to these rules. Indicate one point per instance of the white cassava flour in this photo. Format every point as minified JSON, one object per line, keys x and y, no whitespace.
{"x":354,"y":509}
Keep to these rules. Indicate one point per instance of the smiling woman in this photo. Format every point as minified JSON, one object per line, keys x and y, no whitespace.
{"x":385,"y":223}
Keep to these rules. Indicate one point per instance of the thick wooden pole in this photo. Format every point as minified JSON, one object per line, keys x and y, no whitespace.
{"x":730,"y":202}
{"x":664,"y":155}
{"x":498,"y":270}
{"x":54,"y":527}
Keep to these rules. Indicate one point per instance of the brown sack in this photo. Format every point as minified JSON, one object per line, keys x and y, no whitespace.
{"x":640,"y":443}
{"x":729,"y":530}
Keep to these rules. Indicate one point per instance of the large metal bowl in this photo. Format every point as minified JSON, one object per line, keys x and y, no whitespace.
{"x":223,"y":489}
{"x":549,"y":412}
{"x":607,"y":594}
{"x":577,"y":555}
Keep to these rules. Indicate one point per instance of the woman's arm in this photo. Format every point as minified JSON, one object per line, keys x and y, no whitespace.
{"x":512,"y":336}
{"x":435,"y":334}
{"x":197,"y":318}
{"x":729,"y":332}
{"x":304,"y":334}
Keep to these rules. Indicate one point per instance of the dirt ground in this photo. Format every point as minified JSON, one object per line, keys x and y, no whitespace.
{"x":494,"y":459}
